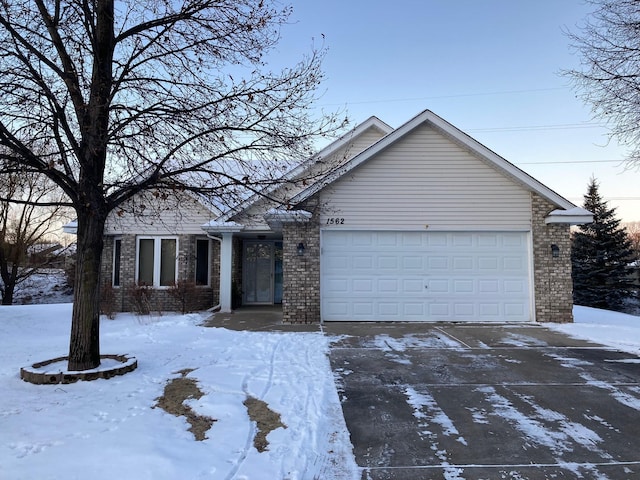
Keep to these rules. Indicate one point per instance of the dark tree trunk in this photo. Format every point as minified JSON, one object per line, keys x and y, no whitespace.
{"x":91,"y":207}
{"x":9,"y":276}
{"x":7,"y":295}
{"x":84,"y":347}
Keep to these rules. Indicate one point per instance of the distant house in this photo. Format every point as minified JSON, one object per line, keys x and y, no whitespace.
{"x":420,"y":223}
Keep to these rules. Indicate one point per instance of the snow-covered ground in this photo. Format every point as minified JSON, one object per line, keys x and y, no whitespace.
{"x":615,"y":329}
{"x":45,"y":286}
{"x":109,"y":429}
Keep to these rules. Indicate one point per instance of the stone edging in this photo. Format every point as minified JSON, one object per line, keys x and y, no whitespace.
{"x":38,"y":375}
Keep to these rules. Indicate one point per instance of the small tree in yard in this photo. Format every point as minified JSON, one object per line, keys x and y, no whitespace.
{"x":600,"y":256}
{"x":23,"y":226}
{"x":109,"y":99}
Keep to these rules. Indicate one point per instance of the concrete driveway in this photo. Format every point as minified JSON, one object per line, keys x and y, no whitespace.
{"x":456,"y":401}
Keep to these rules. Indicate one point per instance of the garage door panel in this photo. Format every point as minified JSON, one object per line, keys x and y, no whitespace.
{"x":464,"y":286}
{"x":414,"y":309}
{"x":358,"y":262}
{"x":490,"y":310}
{"x":514,"y":286}
{"x":489,"y":286}
{"x":336,"y":285}
{"x":425,"y":276}
{"x":362,"y":285}
{"x":363,"y":309}
{"x":338,"y":262}
{"x":388,"y":263}
{"x":413,"y":285}
{"x":488,"y":264}
{"x":514,"y":264}
{"x":463,"y":263}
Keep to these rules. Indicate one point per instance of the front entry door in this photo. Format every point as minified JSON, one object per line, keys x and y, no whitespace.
{"x":258,"y":272}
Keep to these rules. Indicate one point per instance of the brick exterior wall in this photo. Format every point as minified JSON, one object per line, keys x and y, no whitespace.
{"x":162,"y":301}
{"x":301,"y":274}
{"x":552,"y":276}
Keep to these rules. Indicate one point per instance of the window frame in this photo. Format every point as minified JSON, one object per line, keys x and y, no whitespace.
{"x":157,"y":258}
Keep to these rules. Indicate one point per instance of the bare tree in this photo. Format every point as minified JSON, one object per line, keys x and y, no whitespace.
{"x":633,"y":232}
{"x":609,"y":77}
{"x":126,"y":96}
{"x":23,"y":226}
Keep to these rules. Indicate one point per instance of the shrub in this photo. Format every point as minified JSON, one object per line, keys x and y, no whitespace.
{"x":141,"y":298}
{"x":108,"y":301}
{"x":184,"y":292}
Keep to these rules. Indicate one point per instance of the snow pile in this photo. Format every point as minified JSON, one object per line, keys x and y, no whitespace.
{"x":615,"y":329}
{"x":109,"y":429}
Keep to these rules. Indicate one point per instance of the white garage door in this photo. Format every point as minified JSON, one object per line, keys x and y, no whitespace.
{"x":425,"y":276}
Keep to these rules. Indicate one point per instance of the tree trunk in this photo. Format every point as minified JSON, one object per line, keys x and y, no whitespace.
{"x":84,"y":347}
{"x":7,"y":294}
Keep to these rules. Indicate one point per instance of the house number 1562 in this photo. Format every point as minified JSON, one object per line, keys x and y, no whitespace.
{"x":335,"y":221}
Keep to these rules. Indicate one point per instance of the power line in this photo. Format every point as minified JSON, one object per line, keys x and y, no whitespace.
{"x":455,"y":95}
{"x":633,"y":199}
{"x":561,"y":126}
{"x":571,"y":161}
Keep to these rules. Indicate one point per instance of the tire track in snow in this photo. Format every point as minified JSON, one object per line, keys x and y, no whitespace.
{"x":427,"y":410}
{"x":533,"y":427}
{"x":625,"y":398}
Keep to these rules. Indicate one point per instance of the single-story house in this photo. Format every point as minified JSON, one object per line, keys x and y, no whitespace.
{"x":420,"y":223}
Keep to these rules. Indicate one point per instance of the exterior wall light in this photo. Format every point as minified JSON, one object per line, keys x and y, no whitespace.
{"x":555,"y":250}
{"x":300,"y":249}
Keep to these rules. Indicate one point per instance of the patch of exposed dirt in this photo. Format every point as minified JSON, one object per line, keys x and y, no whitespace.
{"x":172,"y":401}
{"x":266,"y":419}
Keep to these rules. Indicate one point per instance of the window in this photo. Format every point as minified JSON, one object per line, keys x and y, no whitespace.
{"x":157,"y":261}
{"x":117,"y":249}
{"x":202,"y":261}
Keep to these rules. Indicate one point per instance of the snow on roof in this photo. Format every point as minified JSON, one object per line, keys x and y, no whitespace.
{"x":572,"y":216}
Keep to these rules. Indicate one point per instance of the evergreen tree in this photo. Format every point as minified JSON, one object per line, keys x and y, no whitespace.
{"x":600,"y":256}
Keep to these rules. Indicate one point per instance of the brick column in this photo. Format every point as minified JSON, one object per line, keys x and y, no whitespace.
{"x":301,"y":274}
{"x":553,"y":285}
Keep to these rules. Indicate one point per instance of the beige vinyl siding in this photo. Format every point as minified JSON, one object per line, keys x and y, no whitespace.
{"x":425,"y":179}
{"x":253,"y":217}
{"x":161,"y":217}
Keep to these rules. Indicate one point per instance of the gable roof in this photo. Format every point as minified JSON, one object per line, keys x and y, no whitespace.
{"x":467,"y":142}
{"x":307,"y":165}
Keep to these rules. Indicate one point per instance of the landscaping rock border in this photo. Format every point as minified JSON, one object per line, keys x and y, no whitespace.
{"x":39,"y":376}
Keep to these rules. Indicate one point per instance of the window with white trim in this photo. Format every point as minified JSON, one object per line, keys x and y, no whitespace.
{"x":203,"y":250}
{"x":157,"y":261}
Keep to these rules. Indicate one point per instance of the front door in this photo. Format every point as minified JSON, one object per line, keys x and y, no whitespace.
{"x":262,"y":272}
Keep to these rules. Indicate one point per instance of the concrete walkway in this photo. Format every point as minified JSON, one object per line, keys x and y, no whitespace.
{"x":263,"y":318}
{"x":457,"y":401}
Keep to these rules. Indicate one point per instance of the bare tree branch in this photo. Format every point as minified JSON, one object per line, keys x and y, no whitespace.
{"x":609,"y":77}
{"x":112,"y":98}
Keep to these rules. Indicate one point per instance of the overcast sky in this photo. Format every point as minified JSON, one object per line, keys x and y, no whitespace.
{"x":489,"y":67}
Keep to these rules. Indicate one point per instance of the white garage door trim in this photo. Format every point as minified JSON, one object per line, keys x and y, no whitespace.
{"x":425,"y":276}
